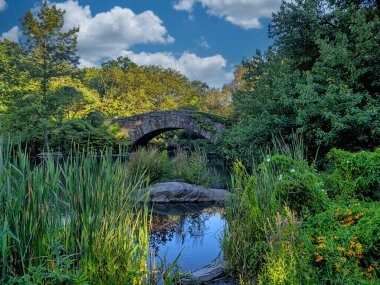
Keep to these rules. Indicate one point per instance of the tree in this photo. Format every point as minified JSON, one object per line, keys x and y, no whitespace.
{"x":321,"y":78}
{"x":17,"y":94}
{"x":126,"y":89}
{"x":51,"y":52}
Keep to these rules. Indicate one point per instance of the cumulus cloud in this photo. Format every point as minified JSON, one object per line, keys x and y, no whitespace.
{"x":107,"y":34}
{"x":211,"y":70}
{"x":243,"y":13}
{"x":3,"y":5}
{"x":12,"y":35}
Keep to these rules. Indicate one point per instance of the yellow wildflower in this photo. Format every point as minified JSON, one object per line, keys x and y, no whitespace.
{"x":352,"y":244}
{"x":322,"y":245}
{"x":370,"y":268}
{"x":350,"y":253}
{"x":341,"y":248}
{"x":319,"y":258}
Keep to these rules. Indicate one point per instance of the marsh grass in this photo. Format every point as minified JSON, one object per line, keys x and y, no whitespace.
{"x":74,"y":222}
{"x":190,"y":167}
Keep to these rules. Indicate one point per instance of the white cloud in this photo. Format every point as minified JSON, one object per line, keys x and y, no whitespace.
{"x":202,"y":42}
{"x":243,"y":13}
{"x":107,"y":34}
{"x":12,"y":35}
{"x":211,"y":70}
{"x":3,"y":5}
{"x":184,"y":5}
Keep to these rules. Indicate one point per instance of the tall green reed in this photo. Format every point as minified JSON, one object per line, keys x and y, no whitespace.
{"x":73,"y":221}
{"x":259,"y":193}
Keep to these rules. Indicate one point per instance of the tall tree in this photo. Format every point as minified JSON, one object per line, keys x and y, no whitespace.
{"x":321,"y":77}
{"x":51,"y":51}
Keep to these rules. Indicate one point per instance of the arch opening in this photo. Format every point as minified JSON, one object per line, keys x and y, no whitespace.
{"x":148,"y":137}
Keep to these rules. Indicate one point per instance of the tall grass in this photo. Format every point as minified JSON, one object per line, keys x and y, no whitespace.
{"x":190,"y":167}
{"x":71,"y":222}
{"x":253,"y":243}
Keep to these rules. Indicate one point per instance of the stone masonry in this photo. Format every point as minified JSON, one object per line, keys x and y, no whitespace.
{"x":143,"y":127}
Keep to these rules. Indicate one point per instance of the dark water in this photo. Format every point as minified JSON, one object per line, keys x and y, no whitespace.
{"x":193,"y":231}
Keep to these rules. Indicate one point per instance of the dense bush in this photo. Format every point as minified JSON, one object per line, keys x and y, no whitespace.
{"x":192,"y":168}
{"x":355,"y":175}
{"x":82,"y":133}
{"x":151,"y":163}
{"x":187,"y":167}
{"x":344,"y":243}
{"x":284,"y":229}
{"x":299,"y":186}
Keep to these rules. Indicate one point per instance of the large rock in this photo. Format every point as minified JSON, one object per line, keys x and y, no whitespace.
{"x":206,"y":274}
{"x":179,"y":192}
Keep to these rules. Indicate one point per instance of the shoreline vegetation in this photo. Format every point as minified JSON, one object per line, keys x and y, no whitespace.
{"x":79,"y":220}
{"x":291,"y":224}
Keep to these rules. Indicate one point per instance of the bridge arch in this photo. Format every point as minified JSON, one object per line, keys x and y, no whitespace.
{"x":141,"y":128}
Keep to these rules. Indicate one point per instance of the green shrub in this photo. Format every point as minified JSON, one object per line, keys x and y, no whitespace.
{"x":192,"y":168}
{"x":187,"y":167}
{"x":298,"y":185}
{"x":81,"y":133}
{"x":151,"y":163}
{"x":344,"y":242}
{"x":355,"y":175}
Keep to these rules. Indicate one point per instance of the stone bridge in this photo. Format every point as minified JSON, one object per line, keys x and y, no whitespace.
{"x":140,"y":129}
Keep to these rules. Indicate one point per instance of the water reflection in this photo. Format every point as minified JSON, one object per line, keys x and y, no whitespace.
{"x":192,"y":230}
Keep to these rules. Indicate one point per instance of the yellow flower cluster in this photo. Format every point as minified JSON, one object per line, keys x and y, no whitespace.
{"x":369,"y":271}
{"x":341,"y":248}
{"x":346,"y":217}
{"x":319,"y":257}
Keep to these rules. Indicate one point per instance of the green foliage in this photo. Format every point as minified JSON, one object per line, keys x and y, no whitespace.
{"x":192,"y":168}
{"x":299,"y":186}
{"x":70,"y":223}
{"x":285,"y":260}
{"x":127,"y":89}
{"x":266,"y":107}
{"x":81,"y":133}
{"x":51,"y":53}
{"x":283,"y":228}
{"x":355,"y":175}
{"x":344,"y":243}
{"x":320,"y":78}
{"x":187,"y":167}
{"x":252,"y":203}
{"x":151,"y":163}
{"x":42,"y":90}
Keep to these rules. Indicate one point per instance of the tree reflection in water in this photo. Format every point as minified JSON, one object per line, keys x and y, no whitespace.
{"x":184,"y":222}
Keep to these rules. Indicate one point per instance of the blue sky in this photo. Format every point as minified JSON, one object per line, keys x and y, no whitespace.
{"x":203,"y":39}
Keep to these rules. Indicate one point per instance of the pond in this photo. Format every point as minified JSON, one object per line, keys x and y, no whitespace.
{"x":192,"y":231}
